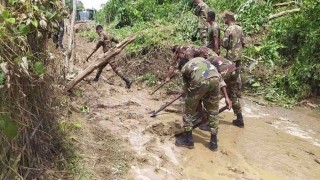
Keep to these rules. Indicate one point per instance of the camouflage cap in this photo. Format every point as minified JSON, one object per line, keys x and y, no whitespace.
{"x":227,"y":14}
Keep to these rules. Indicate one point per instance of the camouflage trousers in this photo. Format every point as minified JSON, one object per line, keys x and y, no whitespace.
{"x":113,"y":65}
{"x":60,"y":39}
{"x":233,"y":90}
{"x":206,"y":96}
{"x":203,"y":32}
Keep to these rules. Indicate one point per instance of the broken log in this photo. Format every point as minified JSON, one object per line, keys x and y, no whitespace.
{"x":99,"y":62}
{"x":284,"y":4}
{"x":273,"y":16}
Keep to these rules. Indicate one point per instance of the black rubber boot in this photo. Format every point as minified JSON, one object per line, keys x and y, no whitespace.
{"x":205,"y":127}
{"x":128,"y":83}
{"x":239,"y":121}
{"x":185,"y":140}
{"x":213,"y":145}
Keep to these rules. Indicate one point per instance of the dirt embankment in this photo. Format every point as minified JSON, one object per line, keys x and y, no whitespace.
{"x":118,"y":139}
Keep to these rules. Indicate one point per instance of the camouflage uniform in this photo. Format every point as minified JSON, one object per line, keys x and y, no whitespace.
{"x":61,"y":33}
{"x":106,"y":42}
{"x":201,"y":11}
{"x":213,"y":31}
{"x":231,"y":76}
{"x":232,"y":41}
{"x":202,"y":84}
{"x":58,"y":36}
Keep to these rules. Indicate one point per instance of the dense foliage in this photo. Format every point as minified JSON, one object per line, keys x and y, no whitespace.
{"x":287,"y":46}
{"x":29,"y":134}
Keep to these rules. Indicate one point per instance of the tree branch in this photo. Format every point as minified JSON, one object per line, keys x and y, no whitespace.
{"x":273,"y":16}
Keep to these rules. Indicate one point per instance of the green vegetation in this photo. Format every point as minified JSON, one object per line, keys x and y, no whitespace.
{"x":29,"y":132}
{"x":286,"y":46}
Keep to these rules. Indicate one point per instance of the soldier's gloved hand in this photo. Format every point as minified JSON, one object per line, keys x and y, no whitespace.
{"x":167,"y":79}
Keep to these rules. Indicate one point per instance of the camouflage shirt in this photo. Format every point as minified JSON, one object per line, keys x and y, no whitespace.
{"x":224,"y":66}
{"x":232,"y":41}
{"x":197,"y":70}
{"x":201,"y":12}
{"x":105,"y":41}
{"x":213,"y":31}
{"x":192,"y":52}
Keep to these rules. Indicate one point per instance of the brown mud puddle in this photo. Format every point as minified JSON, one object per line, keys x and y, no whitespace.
{"x":276,"y":143}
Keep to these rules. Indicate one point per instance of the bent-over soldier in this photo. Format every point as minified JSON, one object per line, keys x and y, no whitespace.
{"x":202,"y":83}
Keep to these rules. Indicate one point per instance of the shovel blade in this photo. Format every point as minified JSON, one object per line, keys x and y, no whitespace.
{"x":153,"y":115}
{"x":152,"y":112}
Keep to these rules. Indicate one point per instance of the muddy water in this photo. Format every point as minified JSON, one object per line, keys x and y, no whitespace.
{"x":276,"y":143}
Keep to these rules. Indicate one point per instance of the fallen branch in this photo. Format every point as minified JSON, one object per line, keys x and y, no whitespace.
{"x":249,"y":58}
{"x":273,"y":16}
{"x":284,"y":4}
{"x":99,"y":62}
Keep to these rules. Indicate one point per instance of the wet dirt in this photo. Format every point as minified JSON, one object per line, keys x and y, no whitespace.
{"x":276,"y":143}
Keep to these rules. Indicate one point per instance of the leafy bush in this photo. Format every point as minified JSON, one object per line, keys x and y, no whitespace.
{"x":288,"y":45}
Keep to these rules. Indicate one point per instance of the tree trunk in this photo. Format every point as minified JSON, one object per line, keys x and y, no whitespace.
{"x":70,"y":55}
{"x":64,"y":2}
{"x":99,"y":62}
{"x":273,"y":16}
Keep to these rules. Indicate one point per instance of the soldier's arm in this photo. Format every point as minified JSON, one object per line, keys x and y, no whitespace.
{"x":113,"y":39}
{"x":242,"y":40}
{"x":223,"y":89}
{"x":197,"y":10}
{"x":216,"y":45}
{"x":100,"y":41}
{"x":225,"y":41}
{"x":170,"y":73}
{"x":185,"y":86}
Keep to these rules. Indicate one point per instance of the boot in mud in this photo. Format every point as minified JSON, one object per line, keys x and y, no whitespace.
{"x":128,"y":83}
{"x":239,"y":121}
{"x":213,"y":145}
{"x":205,"y":127}
{"x":185,"y":140}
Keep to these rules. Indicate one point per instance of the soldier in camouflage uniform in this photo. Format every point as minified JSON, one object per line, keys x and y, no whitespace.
{"x":105,"y":41}
{"x":213,"y":33}
{"x":201,"y":12}
{"x":231,"y":76}
{"x":187,"y":52}
{"x":202,"y":83}
{"x":233,"y":39}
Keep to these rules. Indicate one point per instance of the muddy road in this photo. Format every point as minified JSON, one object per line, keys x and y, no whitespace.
{"x":276,"y":143}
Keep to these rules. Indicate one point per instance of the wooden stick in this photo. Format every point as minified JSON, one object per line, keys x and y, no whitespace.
{"x":284,"y":4}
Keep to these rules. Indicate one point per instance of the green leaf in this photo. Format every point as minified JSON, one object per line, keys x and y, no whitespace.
{"x":35,"y":23}
{"x":2,"y":78}
{"x":24,"y":29}
{"x":8,"y":127}
{"x":38,"y":68}
{"x":256,"y":84}
{"x":11,"y":20}
{"x":5,"y":14}
{"x":50,"y":15}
